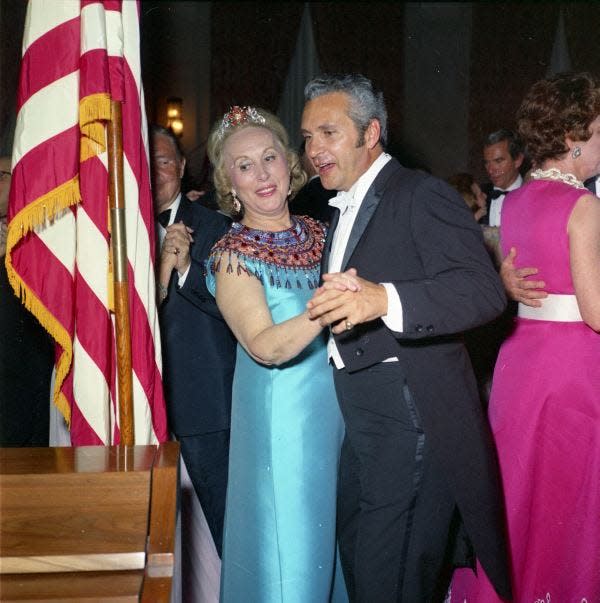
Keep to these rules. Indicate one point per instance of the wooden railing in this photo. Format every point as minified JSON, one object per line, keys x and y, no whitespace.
{"x":88,"y":523}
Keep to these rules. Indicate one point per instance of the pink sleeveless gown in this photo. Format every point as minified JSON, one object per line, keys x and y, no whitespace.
{"x":545,"y":416}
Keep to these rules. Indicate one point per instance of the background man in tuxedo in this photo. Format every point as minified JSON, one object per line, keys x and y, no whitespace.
{"x":198,"y":348}
{"x":502,"y":157}
{"x":417,"y":470}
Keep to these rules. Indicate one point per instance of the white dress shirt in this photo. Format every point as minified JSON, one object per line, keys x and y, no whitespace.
{"x":349,"y":203}
{"x":496,"y":204}
{"x":162,"y":233}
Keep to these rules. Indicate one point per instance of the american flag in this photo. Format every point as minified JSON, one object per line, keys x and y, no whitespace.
{"x":77,"y":56}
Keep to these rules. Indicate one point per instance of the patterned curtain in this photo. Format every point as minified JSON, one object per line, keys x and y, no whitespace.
{"x":252,"y":45}
{"x":582,"y":20}
{"x":367,"y":38}
{"x":512,"y":47}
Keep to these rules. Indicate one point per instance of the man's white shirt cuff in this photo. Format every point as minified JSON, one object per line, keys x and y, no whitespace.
{"x":181,"y":277}
{"x":393,"y":320}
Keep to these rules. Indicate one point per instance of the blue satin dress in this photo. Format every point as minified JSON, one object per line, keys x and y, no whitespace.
{"x":286,"y":433}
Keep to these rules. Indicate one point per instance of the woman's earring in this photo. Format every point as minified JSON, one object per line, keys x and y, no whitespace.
{"x":576,"y":152}
{"x":237,"y":206}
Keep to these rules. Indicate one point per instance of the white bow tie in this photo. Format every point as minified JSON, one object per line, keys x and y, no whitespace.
{"x":343,"y":201}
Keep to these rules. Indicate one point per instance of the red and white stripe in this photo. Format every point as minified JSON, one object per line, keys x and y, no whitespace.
{"x":74,"y":51}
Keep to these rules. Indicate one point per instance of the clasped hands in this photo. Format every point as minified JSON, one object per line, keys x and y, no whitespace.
{"x":175,"y":251}
{"x":345,"y":300}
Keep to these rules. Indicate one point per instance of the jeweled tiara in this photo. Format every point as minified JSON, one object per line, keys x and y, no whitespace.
{"x":237,"y":116}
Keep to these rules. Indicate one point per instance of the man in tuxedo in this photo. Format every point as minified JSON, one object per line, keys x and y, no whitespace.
{"x":418,"y":479}
{"x":198,"y":347}
{"x":502,"y":157}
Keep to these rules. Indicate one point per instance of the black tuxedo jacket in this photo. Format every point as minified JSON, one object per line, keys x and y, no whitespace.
{"x":414,"y":231}
{"x":486,"y":189}
{"x":198,"y":347}
{"x":593,"y":185}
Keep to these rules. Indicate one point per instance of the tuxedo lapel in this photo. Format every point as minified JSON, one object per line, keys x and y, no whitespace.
{"x":592,"y":184}
{"x":365,"y":212}
{"x":182,"y":210}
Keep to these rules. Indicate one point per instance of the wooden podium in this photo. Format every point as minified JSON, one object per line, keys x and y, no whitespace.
{"x":88,"y":524}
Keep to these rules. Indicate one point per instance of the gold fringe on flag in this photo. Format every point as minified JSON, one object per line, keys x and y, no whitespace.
{"x":93,"y":111}
{"x":44,"y":208}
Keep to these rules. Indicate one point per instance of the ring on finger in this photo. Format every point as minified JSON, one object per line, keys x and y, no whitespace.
{"x":349,"y":326}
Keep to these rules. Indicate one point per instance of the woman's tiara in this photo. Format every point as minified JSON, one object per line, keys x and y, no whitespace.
{"x":237,"y":116}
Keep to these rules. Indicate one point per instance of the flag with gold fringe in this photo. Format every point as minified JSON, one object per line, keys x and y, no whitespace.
{"x":77,"y":56}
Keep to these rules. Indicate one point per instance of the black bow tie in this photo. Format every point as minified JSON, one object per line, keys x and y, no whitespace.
{"x":164,"y":217}
{"x":495,"y":193}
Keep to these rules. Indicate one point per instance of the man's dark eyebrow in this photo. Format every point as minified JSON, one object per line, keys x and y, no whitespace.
{"x":321,"y":127}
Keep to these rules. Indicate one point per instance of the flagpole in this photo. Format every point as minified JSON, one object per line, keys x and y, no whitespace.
{"x":121,"y":287}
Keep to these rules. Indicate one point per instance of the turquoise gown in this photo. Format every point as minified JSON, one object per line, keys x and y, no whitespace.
{"x":286,"y":432}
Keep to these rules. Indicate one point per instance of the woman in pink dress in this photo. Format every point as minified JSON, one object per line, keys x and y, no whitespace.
{"x":545,"y":400}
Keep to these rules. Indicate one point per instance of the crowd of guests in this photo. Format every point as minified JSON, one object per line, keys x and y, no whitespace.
{"x":319,"y":339}
{"x":363,"y":465}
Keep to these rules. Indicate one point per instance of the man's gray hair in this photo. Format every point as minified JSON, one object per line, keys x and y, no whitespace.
{"x":365,"y":102}
{"x":515,"y":146}
{"x":157,"y":130}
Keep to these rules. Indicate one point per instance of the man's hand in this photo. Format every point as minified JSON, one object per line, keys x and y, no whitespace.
{"x":518,"y":286}
{"x":194,"y":195}
{"x":348,"y":307}
{"x":342,"y":281}
{"x":175,"y":252}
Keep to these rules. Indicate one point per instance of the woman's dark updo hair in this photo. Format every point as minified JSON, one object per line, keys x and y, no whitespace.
{"x":561,"y":106}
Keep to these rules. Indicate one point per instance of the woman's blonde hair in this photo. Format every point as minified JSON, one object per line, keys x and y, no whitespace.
{"x":239,"y":118}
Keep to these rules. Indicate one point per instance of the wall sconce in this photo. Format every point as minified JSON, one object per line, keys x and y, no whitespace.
{"x":175,"y":115}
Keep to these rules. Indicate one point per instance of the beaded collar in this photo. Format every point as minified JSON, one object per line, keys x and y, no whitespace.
{"x":274,"y":255}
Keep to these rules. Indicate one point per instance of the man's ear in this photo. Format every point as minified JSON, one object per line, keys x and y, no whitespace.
{"x":519,"y":160}
{"x":182,"y":167}
{"x":372,"y":134}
